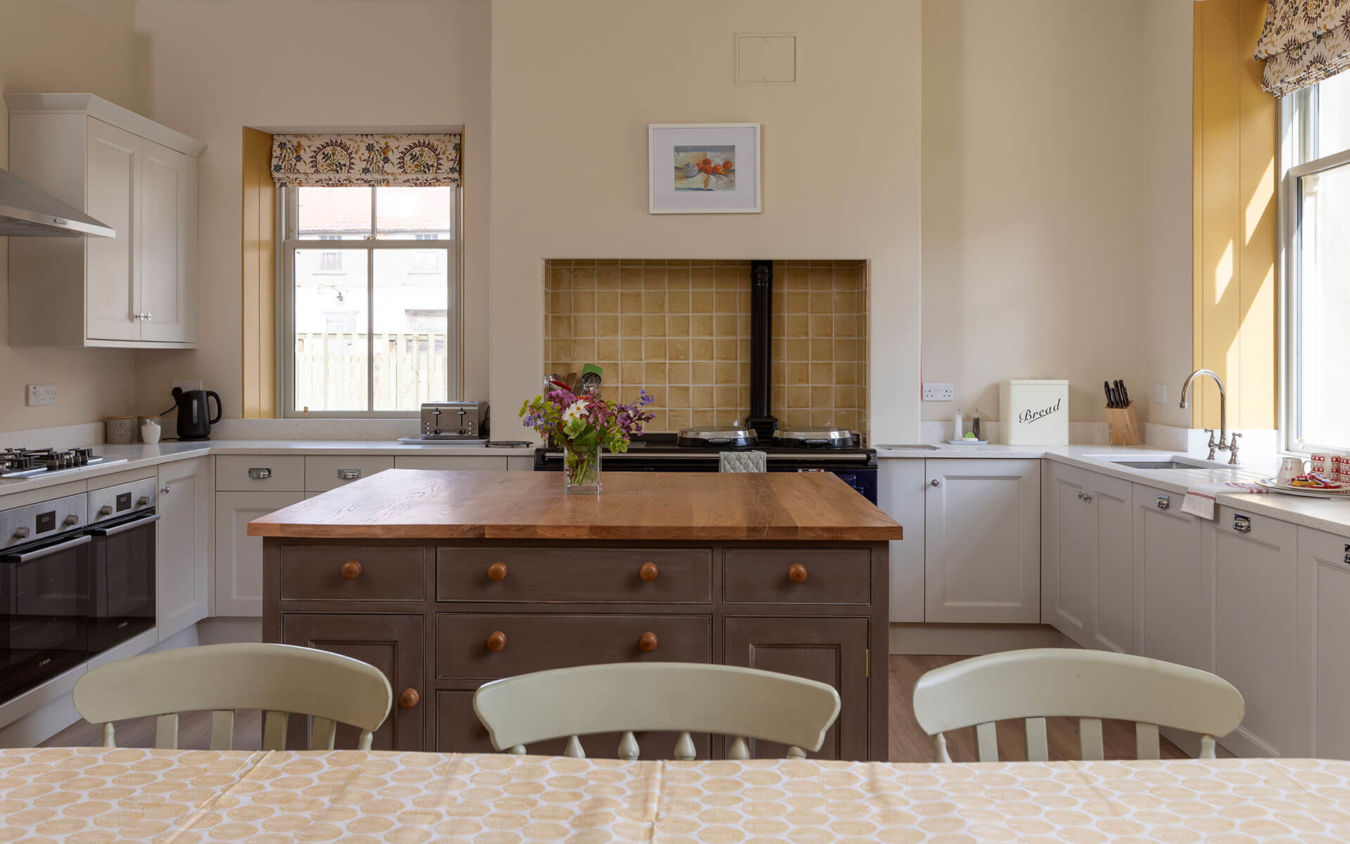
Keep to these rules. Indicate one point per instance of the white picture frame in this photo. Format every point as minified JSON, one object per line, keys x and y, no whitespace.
{"x":687,"y":171}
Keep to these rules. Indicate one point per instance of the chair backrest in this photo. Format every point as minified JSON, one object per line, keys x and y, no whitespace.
{"x":1088,"y":685}
{"x":276,"y":679}
{"x":743,"y":703}
{"x":742,"y":461}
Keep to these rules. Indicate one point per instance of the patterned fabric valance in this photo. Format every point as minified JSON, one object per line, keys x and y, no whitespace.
{"x":1303,"y":42}
{"x":337,"y":160}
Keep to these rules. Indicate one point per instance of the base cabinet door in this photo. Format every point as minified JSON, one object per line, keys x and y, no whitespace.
{"x":1112,"y":573}
{"x":391,"y":643}
{"x":1069,"y":552}
{"x":1174,"y":564}
{"x":982,"y":541}
{"x":238,"y":565}
{"x":1256,"y":644}
{"x":181,"y":576}
{"x":900,"y":485}
{"x":1324,"y":595}
{"x":830,"y":650}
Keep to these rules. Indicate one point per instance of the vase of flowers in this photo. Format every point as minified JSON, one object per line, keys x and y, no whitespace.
{"x":584,"y":425}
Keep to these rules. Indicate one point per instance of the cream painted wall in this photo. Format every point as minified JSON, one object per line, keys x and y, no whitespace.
{"x":1056,"y":198}
{"x":574,"y":86}
{"x":214,"y":67}
{"x":63,"y":45}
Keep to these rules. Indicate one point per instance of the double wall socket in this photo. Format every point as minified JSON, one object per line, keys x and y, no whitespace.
{"x":938,"y":391}
{"x":41,"y":394}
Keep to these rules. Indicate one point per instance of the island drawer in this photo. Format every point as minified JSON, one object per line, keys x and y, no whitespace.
{"x":354,"y":573}
{"x":248,"y":472}
{"x":796,"y":576}
{"x":574,"y":575}
{"x":505,"y":644}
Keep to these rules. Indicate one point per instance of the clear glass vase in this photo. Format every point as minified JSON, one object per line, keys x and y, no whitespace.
{"x":581,"y":470}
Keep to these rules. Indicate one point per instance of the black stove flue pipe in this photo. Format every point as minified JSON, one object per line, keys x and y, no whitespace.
{"x":761,"y":360}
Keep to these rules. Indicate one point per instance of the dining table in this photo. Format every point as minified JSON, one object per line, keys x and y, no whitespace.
{"x":127,"y":794}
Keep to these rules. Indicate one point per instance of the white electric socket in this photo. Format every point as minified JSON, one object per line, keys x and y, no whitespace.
{"x":41,"y":394}
{"x":1159,"y":394}
{"x":187,"y":386}
{"x":938,"y":391}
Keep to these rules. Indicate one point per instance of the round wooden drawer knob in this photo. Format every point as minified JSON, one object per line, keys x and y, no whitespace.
{"x":496,"y":640}
{"x":647,"y":642}
{"x":497,"y":571}
{"x":648,"y":572}
{"x":797,"y":573}
{"x":351,"y":570}
{"x":408,"y":699}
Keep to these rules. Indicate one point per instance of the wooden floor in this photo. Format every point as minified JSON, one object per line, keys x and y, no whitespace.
{"x":908,"y":741}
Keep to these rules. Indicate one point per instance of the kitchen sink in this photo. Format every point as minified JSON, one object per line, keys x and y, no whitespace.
{"x":1155,"y":464}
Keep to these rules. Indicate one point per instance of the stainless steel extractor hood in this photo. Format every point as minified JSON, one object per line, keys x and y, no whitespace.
{"x":28,"y":211}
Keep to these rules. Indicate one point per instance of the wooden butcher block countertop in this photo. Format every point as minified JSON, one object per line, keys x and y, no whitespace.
{"x":676,"y":506}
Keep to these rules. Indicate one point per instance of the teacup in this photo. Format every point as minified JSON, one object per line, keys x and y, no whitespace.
{"x":150,"y":432}
{"x":1290,"y":468}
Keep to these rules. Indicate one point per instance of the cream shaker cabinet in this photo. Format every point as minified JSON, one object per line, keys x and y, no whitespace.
{"x":184,"y":529}
{"x":982,"y":541}
{"x":136,"y":289}
{"x":1324,"y":629}
{"x":1174,"y":580}
{"x":1087,"y":574}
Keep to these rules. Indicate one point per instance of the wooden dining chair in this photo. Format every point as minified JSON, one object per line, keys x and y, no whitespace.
{"x":275,"y":679}
{"x":742,"y":703}
{"x":1088,"y":685}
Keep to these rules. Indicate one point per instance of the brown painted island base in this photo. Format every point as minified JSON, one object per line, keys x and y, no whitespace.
{"x":445,"y":580}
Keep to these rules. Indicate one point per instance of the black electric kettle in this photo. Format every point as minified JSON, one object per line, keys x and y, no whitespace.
{"x":194,"y":419}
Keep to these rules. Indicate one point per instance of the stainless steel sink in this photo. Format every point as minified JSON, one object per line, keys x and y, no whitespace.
{"x":927,"y":446}
{"x":1160,"y":464}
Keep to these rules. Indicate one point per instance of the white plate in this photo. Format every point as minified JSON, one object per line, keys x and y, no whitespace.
{"x":964,"y":441}
{"x":1273,"y":484}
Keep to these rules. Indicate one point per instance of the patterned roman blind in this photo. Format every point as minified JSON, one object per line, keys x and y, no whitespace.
{"x":1303,"y":42}
{"x":349,"y":160}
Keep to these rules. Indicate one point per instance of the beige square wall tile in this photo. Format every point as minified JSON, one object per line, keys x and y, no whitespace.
{"x":678,"y":372}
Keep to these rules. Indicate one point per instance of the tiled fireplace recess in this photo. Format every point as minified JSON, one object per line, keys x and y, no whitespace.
{"x":682,"y":330}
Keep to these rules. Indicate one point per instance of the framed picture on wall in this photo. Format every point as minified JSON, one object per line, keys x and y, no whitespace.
{"x":704,"y":168}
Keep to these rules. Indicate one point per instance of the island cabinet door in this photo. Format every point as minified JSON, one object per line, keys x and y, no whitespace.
{"x":391,"y":643}
{"x":831,"y":650}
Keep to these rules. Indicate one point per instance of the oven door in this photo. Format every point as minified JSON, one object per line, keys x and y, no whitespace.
{"x":44,"y":609}
{"x":122,"y":561}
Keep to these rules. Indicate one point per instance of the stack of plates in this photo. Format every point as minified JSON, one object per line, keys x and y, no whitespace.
{"x":1308,"y":492}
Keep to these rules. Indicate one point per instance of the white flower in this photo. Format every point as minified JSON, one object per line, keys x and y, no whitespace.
{"x":576,"y":410}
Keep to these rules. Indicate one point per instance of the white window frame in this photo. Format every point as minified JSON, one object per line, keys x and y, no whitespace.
{"x":1298,"y":157}
{"x":287,"y":199}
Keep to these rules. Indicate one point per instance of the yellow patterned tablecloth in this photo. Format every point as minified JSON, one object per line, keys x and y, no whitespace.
{"x":88,"y":794}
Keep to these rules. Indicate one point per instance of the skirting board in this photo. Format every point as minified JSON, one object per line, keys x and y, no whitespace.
{"x":973,"y":639}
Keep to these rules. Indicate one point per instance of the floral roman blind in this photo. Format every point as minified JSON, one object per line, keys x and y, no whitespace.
{"x":1303,"y":42}
{"x":349,"y":160}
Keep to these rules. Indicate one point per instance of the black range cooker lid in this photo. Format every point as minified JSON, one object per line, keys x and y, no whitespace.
{"x":816,"y":438}
{"x":723,"y":436}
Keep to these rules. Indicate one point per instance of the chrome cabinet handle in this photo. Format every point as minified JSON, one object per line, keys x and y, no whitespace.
{"x":164,"y":490}
{"x":260,"y":474}
{"x":348,"y":474}
{"x":934,"y":483}
{"x":1242,"y":524}
{"x":1347,"y":553}
{"x":1162,"y":502}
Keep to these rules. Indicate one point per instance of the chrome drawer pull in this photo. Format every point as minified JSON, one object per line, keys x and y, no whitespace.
{"x":1242,"y":524}
{"x":1347,"y":554}
{"x":1162,"y":502}
{"x":348,"y":474}
{"x":260,"y":474}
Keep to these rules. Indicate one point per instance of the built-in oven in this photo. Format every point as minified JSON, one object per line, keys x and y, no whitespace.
{"x":122,"y":562}
{"x":44,"y":592}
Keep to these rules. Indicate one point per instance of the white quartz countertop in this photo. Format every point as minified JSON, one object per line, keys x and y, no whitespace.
{"x":1330,"y":515}
{"x":140,"y":456}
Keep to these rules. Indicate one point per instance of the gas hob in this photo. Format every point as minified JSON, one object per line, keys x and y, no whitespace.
{"x":31,"y":462}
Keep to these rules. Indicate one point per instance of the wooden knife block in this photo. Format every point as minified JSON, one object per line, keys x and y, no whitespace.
{"x":1124,"y":424}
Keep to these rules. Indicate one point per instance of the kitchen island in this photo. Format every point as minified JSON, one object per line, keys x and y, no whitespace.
{"x":448,"y":579}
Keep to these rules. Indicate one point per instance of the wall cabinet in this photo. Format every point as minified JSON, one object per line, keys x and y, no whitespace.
{"x":183,"y":543}
{"x":982,"y":541}
{"x":136,"y":289}
{"x":1174,"y":586}
{"x":1087,"y":577}
{"x":1324,"y":659}
{"x":1256,"y":643}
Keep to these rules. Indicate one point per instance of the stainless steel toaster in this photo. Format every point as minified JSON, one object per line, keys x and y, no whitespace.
{"x":454,"y":420}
